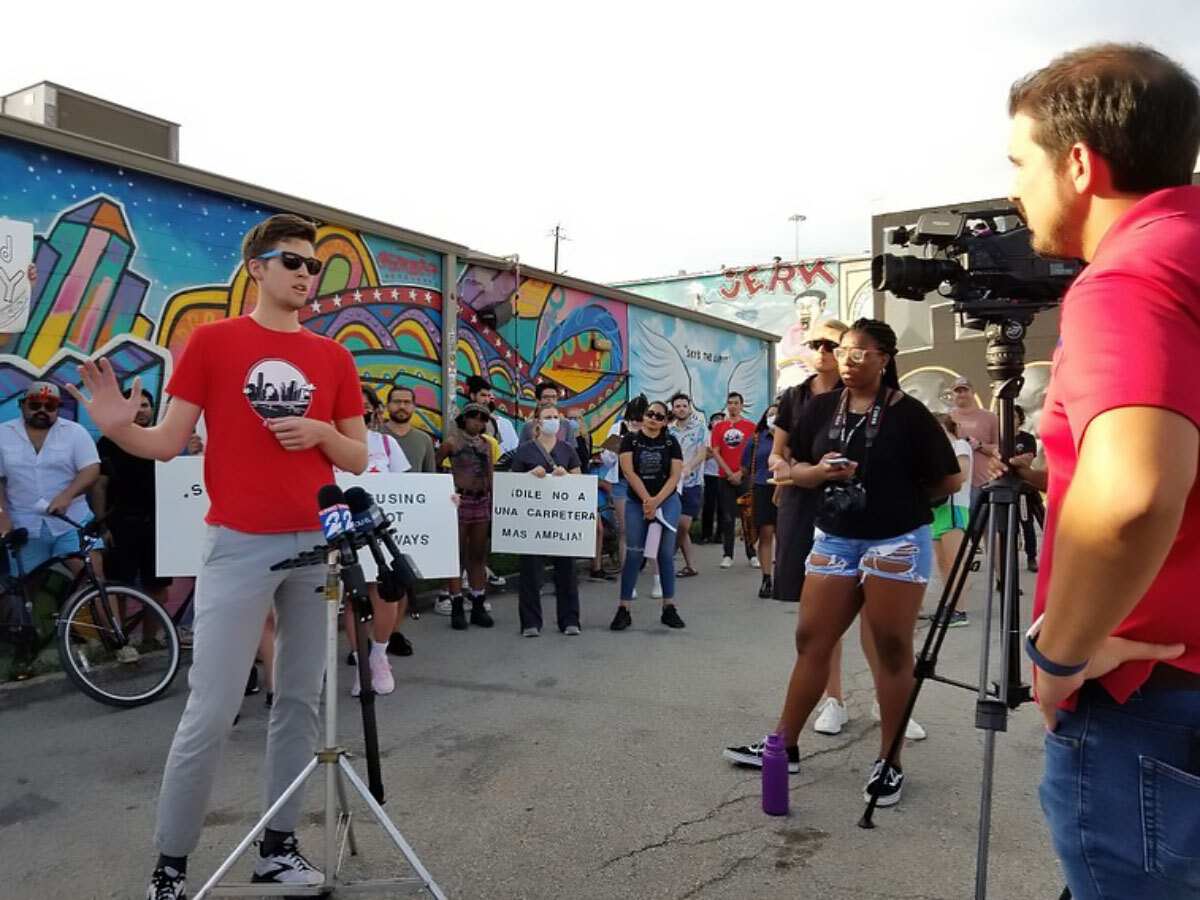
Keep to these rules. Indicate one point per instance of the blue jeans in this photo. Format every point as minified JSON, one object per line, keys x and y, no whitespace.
{"x":636,"y":526}
{"x":1122,"y":795}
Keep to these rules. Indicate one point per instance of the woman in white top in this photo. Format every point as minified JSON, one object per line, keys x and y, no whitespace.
{"x":383,"y":455}
{"x":950,"y":517}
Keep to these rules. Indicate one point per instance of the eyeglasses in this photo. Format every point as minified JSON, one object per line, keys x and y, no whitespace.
{"x":656,"y":416}
{"x":823,"y":344}
{"x":293,"y":261}
{"x":856,"y":355}
{"x":38,"y":405}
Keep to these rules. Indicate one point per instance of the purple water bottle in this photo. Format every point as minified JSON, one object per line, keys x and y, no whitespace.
{"x":775,"y":776}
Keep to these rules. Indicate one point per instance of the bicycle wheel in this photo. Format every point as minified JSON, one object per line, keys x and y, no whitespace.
{"x":124,"y":656}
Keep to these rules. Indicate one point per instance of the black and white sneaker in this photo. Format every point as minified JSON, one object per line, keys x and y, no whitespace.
{"x":885,"y":782}
{"x":751,"y":755}
{"x":167,"y":884}
{"x":287,"y":866}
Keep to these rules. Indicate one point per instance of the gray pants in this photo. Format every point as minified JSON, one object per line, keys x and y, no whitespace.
{"x":234,"y":591}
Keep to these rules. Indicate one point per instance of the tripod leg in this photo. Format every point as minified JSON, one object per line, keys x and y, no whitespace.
{"x":255,"y":831}
{"x":345,"y":817}
{"x":393,"y":832}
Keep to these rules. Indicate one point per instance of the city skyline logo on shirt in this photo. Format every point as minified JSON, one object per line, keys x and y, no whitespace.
{"x":276,"y":388}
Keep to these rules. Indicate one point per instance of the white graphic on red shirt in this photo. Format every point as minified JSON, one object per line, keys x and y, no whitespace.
{"x":276,"y":388}
{"x":734,"y":438}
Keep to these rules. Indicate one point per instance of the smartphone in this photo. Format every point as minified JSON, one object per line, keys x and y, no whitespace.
{"x":838,"y":460}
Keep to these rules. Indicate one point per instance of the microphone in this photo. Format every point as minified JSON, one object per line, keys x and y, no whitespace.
{"x":359,"y":503}
{"x":369,"y":519}
{"x":337,"y":526}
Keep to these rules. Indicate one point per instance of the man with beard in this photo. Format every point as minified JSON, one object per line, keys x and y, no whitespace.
{"x":1103,"y":142}
{"x":47,"y":465}
{"x":416,"y":444}
{"x":124,"y":495}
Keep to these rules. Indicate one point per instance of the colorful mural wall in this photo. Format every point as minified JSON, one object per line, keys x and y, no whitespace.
{"x":782,"y":298}
{"x":130,"y":264}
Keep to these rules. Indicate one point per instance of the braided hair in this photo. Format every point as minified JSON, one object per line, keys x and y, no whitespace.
{"x":881,"y":333}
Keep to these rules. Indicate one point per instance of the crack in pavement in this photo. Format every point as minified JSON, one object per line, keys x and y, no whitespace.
{"x":723,"y":875}
{"x":670,"y":835}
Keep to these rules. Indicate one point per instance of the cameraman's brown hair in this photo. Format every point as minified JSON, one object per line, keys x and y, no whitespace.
{"x":1129,"y":103}
{"x":263,"y":237}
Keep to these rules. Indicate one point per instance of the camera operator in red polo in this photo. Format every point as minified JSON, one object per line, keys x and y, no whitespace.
{"x":1104,"y":141}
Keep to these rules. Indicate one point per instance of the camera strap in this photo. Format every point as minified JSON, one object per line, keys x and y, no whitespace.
{"x":838,"y":434}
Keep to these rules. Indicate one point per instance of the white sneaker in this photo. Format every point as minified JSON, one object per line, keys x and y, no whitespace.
{"x":129,"y":654}
{"x":754,"y":563}
{"x":530,"y":632}
{"x":726,"y":562}
{"x":572,"y":631}
{"x":288,"y":866}
{"x":381,"y":676}
{"x":914,"y":732}
{"x":634,"y":596}
{"x":656,"y":591}
{"x":441,"y":606}
{"x":833,"y":717}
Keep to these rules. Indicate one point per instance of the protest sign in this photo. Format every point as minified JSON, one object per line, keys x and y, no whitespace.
{"x":418,"y":506}
{"x":544,"y":516}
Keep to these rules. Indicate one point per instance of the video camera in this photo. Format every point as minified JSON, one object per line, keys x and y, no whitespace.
{"x":981,"y":260}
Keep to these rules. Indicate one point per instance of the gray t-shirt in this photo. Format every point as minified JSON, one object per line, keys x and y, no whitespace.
{"x":417,"y":447}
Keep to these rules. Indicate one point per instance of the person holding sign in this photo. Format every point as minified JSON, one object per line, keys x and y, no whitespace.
{"x":383,"y":455}
{"x":652,"y":462}
{"x":471,"y":463}
{"x":542,"y":456}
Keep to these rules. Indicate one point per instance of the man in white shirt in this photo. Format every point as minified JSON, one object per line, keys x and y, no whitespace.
{"x":47,"y":465}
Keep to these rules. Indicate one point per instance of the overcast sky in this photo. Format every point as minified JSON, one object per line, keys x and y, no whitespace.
{"x":663,"y":136}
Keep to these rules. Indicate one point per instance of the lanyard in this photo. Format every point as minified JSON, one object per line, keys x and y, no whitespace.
{"x":873,"y":416}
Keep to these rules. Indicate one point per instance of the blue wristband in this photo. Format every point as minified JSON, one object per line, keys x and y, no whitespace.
{"x":1049,"y":666}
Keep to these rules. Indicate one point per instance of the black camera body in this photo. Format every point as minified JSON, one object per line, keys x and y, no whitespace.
{"x":982,"y":260}
{"x":841,"y":497}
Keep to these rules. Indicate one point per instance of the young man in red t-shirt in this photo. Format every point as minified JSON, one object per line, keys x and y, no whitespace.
{"x":1104,"y":141}
{"x":727,"y":440}
{"x":283,"y":407}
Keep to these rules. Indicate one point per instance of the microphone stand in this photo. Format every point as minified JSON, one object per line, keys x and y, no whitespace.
{"x":339,"y":831}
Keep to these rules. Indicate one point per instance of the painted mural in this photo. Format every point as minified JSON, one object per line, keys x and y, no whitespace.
{"x":130,"y":264}
{"x":672,"y":355}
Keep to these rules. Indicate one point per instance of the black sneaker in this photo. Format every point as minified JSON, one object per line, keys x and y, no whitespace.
{"x":351,"y":661}
{"x":958,"y":619}
{"x":670,"y":617}
{"x":1033,"y":564}
{"x":167,"y":884}
{"x":597,"y":575}
{"x":621,"y":620}
{"x":287,"y":865}
{"x":885,"y":782}
{"x":399,"y":645}
{"x":751,"y":755}
{"x":458,"y":616}
{"x":766,"y":589}
{"x":479,"y":614}
{"x":252,"y":681}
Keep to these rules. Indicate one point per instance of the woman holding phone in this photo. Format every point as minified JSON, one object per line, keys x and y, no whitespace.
{"x":875,"y":457}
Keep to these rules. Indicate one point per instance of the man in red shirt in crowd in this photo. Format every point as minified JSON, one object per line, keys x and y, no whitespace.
{"x":1104,"y":141}
{"x":283,"y":407}
{"x":728,"y":437}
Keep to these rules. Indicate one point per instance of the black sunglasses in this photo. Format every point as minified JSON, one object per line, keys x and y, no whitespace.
{"x":657,"y":416}
{"x":38,"y":405}
{"x":826,"y":345}
{"x":293,"y":261}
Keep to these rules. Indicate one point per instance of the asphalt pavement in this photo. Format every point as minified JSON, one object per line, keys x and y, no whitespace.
{"x":564,"y":767}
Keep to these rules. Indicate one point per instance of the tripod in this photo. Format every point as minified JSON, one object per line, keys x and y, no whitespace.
{"x":994,"y":513}
{"x":339,"y":831}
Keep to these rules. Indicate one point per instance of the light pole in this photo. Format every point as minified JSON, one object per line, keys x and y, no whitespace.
{"x":797,"y":218}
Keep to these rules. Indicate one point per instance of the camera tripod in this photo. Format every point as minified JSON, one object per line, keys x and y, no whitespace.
{"x":994,"y":513}
{"x":339,"y":831}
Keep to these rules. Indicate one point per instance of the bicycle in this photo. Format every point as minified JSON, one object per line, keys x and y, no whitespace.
{"x":116,"y":644}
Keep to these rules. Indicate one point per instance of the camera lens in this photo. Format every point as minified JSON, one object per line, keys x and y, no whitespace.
{"x":911,"y":277}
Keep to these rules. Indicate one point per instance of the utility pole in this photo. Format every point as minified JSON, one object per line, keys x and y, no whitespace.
{"x":797,"y":218}
{"x":559,"y":236}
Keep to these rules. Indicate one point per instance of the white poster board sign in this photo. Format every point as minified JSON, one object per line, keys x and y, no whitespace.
{"x":419,"y":507}
{"x":16,"y":253}
{"x":544,"y":516}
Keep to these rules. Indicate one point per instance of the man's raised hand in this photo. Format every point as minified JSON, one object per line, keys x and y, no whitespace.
{"x":106,"y":404}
